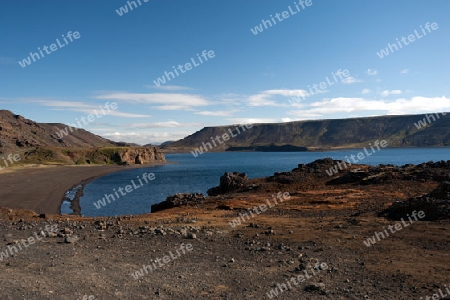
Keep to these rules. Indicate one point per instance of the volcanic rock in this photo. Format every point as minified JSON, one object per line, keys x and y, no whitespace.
{"x":229,"y":182}
{"x":435,"y":204}
{"x":140,"y":156}
{"x":179,"y":200}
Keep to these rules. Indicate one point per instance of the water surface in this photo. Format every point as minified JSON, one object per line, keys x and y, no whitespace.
{"x":197,"y":174}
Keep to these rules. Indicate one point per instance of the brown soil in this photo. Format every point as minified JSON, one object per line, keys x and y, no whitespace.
{"x":324,"y":223}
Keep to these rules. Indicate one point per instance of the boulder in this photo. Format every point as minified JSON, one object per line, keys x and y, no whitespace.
{"x":435,"y":205}
{"x":179,"y":200}
{"x":442,"y":191}
{"x":229,"y":182}
{"x":349,"y":177}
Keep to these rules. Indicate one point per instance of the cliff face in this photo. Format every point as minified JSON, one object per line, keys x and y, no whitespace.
{"x":399,"y":131}
{"x":141,"y":155}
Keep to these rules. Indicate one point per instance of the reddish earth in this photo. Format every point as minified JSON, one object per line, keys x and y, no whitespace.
{"x":320,"y":222}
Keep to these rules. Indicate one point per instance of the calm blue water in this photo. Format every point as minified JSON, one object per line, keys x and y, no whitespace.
{"x":196,"y":175}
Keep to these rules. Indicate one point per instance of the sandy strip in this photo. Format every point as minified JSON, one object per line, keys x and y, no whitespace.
{"x":42,"y":188}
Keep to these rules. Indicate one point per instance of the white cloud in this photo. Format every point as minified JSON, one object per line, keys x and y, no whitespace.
{"x":350,"y":80}
{"x":261,"y":100}
{"x":366,"y":91}
{"x":252,"y":120}
{"x":371,"y":72}
{"x":266,"y":98}
{"x":285,"y":120}
{"x":168,"y":124}
{"x":168,"y":101}
{"x":286,"y":93}
{"x":274,"y":98}
{"x":174,"y":107}
{"x":404,"y":71}
{"x":401,"y":106}
{"x":86,"y":108}
{"x":169,"y":87}
{"x":386,"y":93}
{"x":222,"y":113}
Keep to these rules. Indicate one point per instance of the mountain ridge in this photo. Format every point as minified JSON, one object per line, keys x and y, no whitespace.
{"x":17,"y":132}
{"x":399,"y":131}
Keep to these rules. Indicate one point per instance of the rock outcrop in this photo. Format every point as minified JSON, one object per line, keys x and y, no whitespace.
{"x":316,"y":169}
{"x":435,"y":204}
{"x":381,"y":174}
{"x":179,"y":200}
{"x":229,"y":182}
{"x":140,"y":156}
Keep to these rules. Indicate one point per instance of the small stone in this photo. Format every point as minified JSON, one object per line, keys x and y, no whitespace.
{"x":71,"y":239}
{"x":314,"y":287}
{"x":67,"y":231}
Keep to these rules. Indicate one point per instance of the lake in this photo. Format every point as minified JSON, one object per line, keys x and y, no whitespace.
{"x":189,"y":174}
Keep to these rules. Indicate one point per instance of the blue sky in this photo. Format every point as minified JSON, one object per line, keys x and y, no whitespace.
{"x":250,"y":79}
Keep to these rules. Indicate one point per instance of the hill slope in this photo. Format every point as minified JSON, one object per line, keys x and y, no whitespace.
{"x":399,"y":131}
{"x":17,"y":133}
{"x":50,"y":143}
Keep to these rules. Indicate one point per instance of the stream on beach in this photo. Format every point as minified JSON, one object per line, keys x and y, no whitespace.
{"x":130,"y":193}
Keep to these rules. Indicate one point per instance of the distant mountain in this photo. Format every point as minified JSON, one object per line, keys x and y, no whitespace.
{"x":166,"y":143}
{"x":430,"y":130}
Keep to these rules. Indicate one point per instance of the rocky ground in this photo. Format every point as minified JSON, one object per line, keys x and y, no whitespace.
{"x":317,"y":232}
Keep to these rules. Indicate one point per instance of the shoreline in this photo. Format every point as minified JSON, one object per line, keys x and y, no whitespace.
{"x":75,"y":203}
{"x":42,"y":188}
